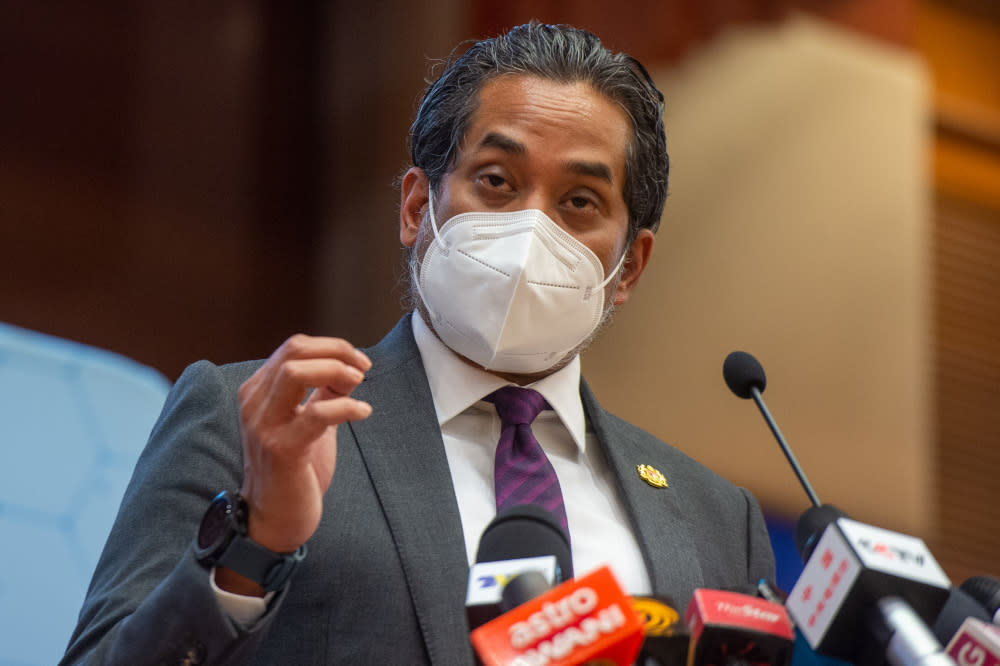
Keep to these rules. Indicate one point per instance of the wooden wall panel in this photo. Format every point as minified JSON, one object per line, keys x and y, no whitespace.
{"x":960,"y":40}
{"x":379,"y":57}
{"x":661,"y":31}
{"x":967,"y":265}
{"x":156,"y":175}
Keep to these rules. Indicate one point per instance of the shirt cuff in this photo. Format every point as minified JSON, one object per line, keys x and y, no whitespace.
{"x":244,"y":611}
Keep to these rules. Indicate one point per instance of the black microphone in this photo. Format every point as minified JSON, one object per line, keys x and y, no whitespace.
{"x":665,"y":638}
{"x":865,"y":593}
{"x":959,"y":607}
{"x":743,"y":373}
{"x":770,"y":592}
{"x":520,"y":540}
{"x":519,"y":615}
{"x":986,"y":591}
{"x":526,"y":530}
{"x":745,"y":377}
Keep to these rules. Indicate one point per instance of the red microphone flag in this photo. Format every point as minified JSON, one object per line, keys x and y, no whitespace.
{"x":582,"y":620}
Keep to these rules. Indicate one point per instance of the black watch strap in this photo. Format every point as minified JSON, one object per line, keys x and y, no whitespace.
{"x":251,"y":560}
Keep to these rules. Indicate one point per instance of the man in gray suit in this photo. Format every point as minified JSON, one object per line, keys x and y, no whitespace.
{"x":539,"y":175}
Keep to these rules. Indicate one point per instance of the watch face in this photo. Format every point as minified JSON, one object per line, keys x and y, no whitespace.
{"x":214,"y":523}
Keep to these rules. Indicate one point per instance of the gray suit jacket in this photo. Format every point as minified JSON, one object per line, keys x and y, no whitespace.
{"x":385,"y":578}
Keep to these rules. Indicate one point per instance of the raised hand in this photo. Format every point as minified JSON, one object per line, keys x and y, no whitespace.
{"x":290,"y":442}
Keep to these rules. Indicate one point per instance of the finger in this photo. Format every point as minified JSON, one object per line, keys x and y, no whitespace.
{"x":315,"y":416}
{"x":301,"y":346}
{"x":294,"y":378}
{"x":260,"y":388}
{"x":250,"y":392}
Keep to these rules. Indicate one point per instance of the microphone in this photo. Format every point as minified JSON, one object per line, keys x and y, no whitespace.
{"x":745,"y":377}
{"x":526,"y":530}
{"x":907,"y":640}
{"x":986,"y":591}
{"x":487,"y":596}
{"x":863,"y":589}
{"x":959,"y":607}
{"x":977,"y":643}
{"x":729,"y":628}
{"x":864,"y":581}
{"x":769,"y":592}
{"x":522,"y":588}
{"x":519,"y":540}
{"x":583,"y":620}
{"x":802,"y":654}
{"x":665,"y":638}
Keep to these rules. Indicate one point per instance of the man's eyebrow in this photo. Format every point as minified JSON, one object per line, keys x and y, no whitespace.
{"x":504,"y":143}
{"x":593,"y":169}
{"x":513,"y":147}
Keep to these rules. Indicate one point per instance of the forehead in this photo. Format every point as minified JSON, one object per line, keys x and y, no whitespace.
{"x":550,"y":118}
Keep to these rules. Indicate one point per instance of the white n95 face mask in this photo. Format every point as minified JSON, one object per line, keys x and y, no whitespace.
{"x":513,"y":292}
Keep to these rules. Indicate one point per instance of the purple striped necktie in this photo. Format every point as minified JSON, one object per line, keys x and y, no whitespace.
{"x":522,"y":472}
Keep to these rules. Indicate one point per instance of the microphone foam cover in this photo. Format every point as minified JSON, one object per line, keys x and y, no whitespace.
{"x":521,"y":589}
{"x":527,"y":530}
{"x":810,"y":527}
{"x":742,"y":372}
{"x":959,"y":606}
{"x":985,"y":590}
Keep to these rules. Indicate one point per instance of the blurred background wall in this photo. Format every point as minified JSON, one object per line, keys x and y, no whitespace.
{"x":797,"y":229}
{"x":189,"y":180}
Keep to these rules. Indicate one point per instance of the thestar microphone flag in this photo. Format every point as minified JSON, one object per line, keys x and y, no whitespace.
{"x":734,"y":628}
{"x":585,"y":619}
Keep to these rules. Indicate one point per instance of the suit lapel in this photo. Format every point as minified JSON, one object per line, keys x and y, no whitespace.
{"x":402,"y":449}
{"x":659,"y":521}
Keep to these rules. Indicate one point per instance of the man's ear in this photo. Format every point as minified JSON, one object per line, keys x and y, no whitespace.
{"x":413,"y":199}
{"x":635,"y":264}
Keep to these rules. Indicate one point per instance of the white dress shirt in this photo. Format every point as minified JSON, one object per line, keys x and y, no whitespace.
{"x":599,"y":529}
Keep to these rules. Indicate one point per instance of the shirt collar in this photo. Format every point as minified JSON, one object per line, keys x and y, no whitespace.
{"x":456,"y":385}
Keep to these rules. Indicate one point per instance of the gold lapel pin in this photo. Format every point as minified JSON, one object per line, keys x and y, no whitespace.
{"x":652,"y":476}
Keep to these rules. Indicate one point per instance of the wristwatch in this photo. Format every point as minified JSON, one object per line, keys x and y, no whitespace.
{"x":223,"y":541}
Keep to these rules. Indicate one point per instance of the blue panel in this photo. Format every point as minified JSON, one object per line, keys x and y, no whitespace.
{"x":73,"y":420}
{"x":787,"y":560}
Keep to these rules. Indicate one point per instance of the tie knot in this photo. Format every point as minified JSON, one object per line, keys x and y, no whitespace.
{"x":516,"y":405}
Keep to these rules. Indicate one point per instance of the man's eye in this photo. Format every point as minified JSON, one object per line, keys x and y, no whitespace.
{"x":495,"y":180}
{"x":580,"y":202}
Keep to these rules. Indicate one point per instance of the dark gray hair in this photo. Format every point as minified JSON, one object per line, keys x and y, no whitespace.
{"x":560,"y":53}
